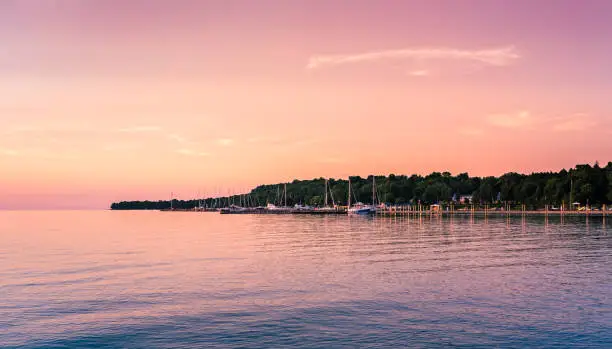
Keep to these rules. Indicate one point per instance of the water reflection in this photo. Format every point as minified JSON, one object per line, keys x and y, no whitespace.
{"x":153,"y":279}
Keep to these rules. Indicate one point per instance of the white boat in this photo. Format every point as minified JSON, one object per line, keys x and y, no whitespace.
{"x":273,"y":207}
{"x":233,"y":209}
{"x":360,"y":208}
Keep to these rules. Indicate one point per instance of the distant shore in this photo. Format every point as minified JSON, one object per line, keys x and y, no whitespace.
{"x":585,"y":186}
{"x":401,"y":211}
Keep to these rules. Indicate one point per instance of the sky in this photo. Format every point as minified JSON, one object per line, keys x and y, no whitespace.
{"x":109,"y":100}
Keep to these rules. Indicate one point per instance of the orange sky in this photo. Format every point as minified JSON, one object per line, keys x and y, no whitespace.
{"x":103,"y":100}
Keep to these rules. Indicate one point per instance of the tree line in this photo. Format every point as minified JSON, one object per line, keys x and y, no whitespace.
{"x":584,"y":184}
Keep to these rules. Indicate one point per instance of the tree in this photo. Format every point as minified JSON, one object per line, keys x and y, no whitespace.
{"x":592,"y":183}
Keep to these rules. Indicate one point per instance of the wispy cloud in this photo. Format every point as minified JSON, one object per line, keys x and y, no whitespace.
{"x":225,"y":142}
{"x":576,"y":122}
{"x":270,"y":140}
{"x":285,"y":142}
{"x":121,"y":146}
{"x":55,"y":155}
{"x":192,"y":152}
{"x":40,"y":153}
{"x":9,"y":152}
{"x":21,"y":129}
{"x":177,"y":138}
{"x":499,"y":56}
{"x":524,"y":119}
{"x":48,"y":129}
{"x":140,"y":129}
{"x":512,"y":120}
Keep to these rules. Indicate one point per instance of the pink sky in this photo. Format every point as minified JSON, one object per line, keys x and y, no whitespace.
{"x":119,"y":100}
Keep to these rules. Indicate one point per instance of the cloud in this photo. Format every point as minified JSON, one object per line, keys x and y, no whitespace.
{"x":50,"y":129}
{"x":576,"y":122}
{"x":121,"y":146}
{"x":55,"y":155}
{"x":226,"y":142}
{"x":419,"y":73}
{"x":500,"y":56}
{"x":191,"y":152}
{"x":271,"y":140}
{"x":526,"y":120}
{"x":286,"y":142}
{"x":177,"y":138}
{"x":22,"y":129}
{"x":140,"y":129}
{"x":40,"y":153}
{"x":513,"y":120}
{"x":9,"y":152}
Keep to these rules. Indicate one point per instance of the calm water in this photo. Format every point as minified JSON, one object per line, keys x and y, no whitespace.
{"x":186,"y":280}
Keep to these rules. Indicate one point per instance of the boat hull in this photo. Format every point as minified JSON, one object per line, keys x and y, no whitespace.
{"x":363,"y":211}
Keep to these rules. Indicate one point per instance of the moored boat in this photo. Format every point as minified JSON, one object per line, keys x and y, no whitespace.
{"x":360,"y":208}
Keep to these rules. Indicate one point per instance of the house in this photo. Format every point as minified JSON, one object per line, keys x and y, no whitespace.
{"x":465,"y":199}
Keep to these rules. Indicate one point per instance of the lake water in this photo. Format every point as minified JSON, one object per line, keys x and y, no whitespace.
{"x":203,"y":280}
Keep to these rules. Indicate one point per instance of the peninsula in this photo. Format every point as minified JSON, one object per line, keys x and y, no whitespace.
{"x":579,"y":187}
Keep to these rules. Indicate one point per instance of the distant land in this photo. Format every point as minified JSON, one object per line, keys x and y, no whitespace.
{"x":584,"y":184}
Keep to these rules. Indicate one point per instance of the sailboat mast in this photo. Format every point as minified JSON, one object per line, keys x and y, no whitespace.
{"x":373,"y":190}
{"x":331,"y":194}
{"x":326,"y":203}
{"x":349,"y":193}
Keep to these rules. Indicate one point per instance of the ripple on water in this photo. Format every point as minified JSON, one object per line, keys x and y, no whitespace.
{"x":165,"y":280}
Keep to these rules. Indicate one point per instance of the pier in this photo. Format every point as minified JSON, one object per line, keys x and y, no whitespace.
{"x":485,"y":210}
{"x":417,"y":210}
{"x":283,"y":210}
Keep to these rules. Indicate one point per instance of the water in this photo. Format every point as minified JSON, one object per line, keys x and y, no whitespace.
{"x":189,"y":280}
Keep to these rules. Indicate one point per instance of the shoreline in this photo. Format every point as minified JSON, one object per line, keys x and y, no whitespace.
{"x":411,"y":213}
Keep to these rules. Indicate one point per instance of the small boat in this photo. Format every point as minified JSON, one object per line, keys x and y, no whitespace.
{"x":360,"y":208}
{"x":233,"y":209}
{"x":299,"y":207}
{"x":272,"y":207}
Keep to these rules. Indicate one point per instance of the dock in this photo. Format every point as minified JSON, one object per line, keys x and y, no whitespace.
{"x":283,"y":210}
{"x":408,"y":211}
{"x":486,"y":211}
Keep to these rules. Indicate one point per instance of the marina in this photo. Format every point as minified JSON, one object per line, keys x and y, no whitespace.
{"x":378,"y":208}
{"x":439,"y":194}
{"x":383,"y":210}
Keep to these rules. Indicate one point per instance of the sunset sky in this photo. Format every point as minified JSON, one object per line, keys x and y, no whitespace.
{"x":125,"y":100}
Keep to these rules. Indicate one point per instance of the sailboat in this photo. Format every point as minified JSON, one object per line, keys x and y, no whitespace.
{"x":326,"y":206}
{"x":280,"y":209}
{"x":360,"y":208}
